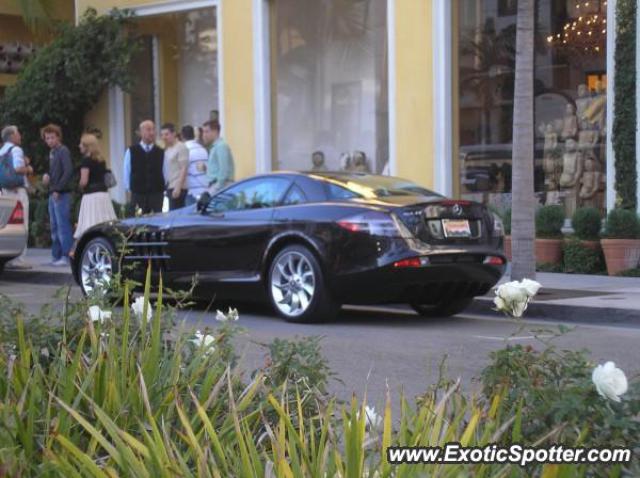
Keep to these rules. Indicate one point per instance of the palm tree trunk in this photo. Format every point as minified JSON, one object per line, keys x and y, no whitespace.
{"x":523,"y":201}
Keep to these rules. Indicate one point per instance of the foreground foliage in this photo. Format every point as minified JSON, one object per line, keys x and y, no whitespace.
{"x":91,"y":392}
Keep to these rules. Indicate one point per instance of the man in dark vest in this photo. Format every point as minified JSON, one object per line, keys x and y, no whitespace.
{"x":143,"y":171}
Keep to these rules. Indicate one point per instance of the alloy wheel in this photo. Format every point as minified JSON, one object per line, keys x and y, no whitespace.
{"x":96,"y":268}
{"x":293,"y":284}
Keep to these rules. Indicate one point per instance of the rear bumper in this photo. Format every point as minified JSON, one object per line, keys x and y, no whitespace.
{"x":13,"y":240}
{"x":429,"y":284}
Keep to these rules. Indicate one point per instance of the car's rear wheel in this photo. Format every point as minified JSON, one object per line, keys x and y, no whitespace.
{"x":97,"y":266}
{"x":443,"y":309}
{"x":297,"y":289}
{"x":2,"y":263}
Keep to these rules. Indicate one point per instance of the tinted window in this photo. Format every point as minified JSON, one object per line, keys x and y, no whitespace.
{"x":372,"y":186}
{"x":255,"y":194}
{"x":294,"y":196}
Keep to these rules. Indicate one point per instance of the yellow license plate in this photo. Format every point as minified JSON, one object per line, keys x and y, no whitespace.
{"x":456,"y":228}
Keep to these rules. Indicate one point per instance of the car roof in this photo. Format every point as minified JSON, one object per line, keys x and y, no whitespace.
{"x":341,"y":176}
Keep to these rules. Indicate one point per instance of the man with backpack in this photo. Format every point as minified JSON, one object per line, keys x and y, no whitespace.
{"x":14,"y":169}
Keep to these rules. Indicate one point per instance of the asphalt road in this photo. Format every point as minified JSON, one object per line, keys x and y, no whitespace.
{"x":369,"y":348}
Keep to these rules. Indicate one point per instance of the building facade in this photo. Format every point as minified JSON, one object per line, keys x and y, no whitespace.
{"x":421,"y":89}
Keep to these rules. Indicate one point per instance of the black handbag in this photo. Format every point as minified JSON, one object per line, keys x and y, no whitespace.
{"x":110,"y":179}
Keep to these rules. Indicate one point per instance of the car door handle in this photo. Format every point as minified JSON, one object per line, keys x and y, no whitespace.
{"x":217,"y":215}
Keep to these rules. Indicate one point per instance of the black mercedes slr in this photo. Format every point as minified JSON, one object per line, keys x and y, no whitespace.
{"x":309,"y":242}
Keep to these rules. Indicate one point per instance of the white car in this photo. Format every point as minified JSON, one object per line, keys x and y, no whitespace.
{"x":13,"y":232}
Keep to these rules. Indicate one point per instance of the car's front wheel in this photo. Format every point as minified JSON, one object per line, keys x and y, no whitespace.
{"x":443,"y":309}
{"x":96,"y":266}
{"x":297,"y":289}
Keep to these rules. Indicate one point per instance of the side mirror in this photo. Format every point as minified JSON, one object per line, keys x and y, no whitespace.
{"x":203,"y":202}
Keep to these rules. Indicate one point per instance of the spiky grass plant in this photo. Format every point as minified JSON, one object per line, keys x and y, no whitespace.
{"x":128,"y":394}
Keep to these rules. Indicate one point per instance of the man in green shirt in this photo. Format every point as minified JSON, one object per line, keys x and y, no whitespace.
{"x":220,"y":167}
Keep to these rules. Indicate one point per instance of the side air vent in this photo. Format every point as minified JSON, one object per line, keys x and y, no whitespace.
{"x":148,"y":246}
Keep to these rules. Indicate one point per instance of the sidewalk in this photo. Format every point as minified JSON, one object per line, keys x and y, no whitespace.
{"x":40,"y":260}
{"x":566,"y":297}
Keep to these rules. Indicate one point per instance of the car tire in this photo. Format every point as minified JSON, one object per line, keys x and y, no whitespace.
{"x":2,"y":263}
{"x":445,"y":309}
{"x":97,"y":257}
{"x":296,"y":287}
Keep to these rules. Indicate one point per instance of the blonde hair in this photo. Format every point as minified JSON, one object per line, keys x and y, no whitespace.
{"x":90,"y":143}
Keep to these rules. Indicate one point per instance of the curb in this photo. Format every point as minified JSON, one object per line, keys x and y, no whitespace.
{"x":565,"y":313}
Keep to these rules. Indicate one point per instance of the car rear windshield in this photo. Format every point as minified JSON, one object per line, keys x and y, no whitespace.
{"x":369,"y":186}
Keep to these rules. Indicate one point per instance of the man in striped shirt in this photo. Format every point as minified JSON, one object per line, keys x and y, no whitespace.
{"x":197,"y":181}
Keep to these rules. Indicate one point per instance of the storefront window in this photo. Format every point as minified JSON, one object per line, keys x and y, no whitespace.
{"x":176,"y":69}
{"x":143,"y":97}
{"x":197,"y":45}
{"x":331,"y":82}
{"x":570,"y":101}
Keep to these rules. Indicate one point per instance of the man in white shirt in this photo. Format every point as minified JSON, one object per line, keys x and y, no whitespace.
{"x":12,"y":140}
{"x":197,"y":181}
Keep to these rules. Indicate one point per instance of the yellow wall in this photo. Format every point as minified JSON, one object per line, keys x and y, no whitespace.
{"x":12,"y":29}
{"x":239,"y":105}
{"x":98,"y":118}
{"x":414,"y":91}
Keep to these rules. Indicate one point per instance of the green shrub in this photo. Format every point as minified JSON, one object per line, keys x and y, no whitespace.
{"x":630,"y":273}
{"x":580,"y":259}
{"x":506,"y":220}
{"x":622,"y":224}
{"x":548,"y":267}
{"x":549,"y":222}
{"x":39,"y":228}
{"x":554,"y":388}
{"x":625,"y":117}
{"x":587,"y":222}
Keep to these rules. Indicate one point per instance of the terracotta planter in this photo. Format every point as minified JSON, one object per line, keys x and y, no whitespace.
{"x":548,"y":251}
{"x":507,"y":247}
{"x":620,"y":254}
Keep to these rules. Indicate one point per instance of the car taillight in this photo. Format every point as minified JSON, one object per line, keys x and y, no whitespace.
{"x":493,"y":261}
{"x":374,"y":223}
{"x":411,"y":262}
{"x":17,"y":216}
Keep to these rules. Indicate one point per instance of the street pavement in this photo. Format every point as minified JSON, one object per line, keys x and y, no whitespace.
{"x":369,"y":348}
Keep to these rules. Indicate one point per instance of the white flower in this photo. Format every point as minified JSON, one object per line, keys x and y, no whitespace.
{"x":373,"y":419}
{"x":231,"y":315}
{"x":610,"y":381}
{"x":96,"y":314}
{"x":518,"y":308}
{"x":499,"y":302}
{"x":138,"y":308}
{"x":513,"y":298}
{"x":512,"y":292}
{"x":532,"y":287}
{"x":204,"y":340}
{"x":139,"y":212}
